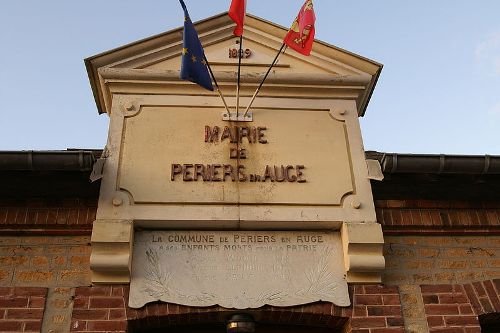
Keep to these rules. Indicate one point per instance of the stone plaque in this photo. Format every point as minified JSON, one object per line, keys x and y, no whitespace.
{"x":189,"y":155}
{"x":237,"y":269}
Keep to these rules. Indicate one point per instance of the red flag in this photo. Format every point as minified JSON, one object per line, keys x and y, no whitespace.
{"x":237,"y":14}
{"x":300,"y":37}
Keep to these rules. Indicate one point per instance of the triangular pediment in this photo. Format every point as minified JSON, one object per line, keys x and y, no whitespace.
{"x":262,"y":40}
{"x":259,"y":50}
{"x":257,"y":58}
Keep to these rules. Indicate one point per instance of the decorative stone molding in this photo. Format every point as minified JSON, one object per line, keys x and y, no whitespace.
{"x":363,"y":252}
{"x":111,"y":257}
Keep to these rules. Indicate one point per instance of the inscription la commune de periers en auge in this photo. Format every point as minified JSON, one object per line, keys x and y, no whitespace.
{"x":238,"y":269}
{"x":204,"y":241}
{"x":190,"y":172}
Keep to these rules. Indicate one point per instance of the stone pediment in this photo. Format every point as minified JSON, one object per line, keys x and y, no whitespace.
{"x":158,"y":59}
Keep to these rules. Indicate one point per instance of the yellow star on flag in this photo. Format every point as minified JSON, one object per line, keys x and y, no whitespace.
{"x":193,"y":58}
{"x":184,"y":50}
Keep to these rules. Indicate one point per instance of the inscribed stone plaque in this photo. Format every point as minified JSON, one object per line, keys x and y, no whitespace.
{"x":158,"y":139}
{"x":240,"y":269}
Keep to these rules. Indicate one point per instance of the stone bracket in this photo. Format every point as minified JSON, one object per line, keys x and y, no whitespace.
{"x":111,"y":257}
{"x":374,"y":170}
{"x":363,"y":251}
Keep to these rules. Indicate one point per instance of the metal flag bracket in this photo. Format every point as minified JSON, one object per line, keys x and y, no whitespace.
{"x":233,"y":116}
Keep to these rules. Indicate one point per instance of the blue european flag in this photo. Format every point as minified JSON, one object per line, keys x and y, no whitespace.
{"x":193,"y":67}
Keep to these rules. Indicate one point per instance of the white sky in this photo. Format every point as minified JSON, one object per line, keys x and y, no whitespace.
{"x":439,"y":91}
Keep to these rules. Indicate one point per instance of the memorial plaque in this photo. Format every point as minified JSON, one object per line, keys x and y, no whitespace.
{"x":237,"y":269}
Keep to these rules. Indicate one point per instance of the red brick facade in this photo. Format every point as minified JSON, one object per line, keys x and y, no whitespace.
{"x":447,"y":308}
{"x":428,"y":217}
{"x":375,"y":309}
{"x":71,"y":215}
{"x":456,"y":308}
{"x":22,"y":309}
{"x":99,"y":309}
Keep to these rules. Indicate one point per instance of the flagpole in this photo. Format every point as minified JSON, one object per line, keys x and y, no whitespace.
{"x":216,"y":84}
{"x":240,"y":55}
{"x":283,"y":48}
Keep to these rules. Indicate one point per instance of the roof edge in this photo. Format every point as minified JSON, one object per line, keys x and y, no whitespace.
{"x":30,"y":160}
{"x":393,"y":163}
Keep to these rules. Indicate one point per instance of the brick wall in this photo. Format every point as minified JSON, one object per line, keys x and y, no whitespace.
{"x":375,"y":309}
{"x":455,"y":308}
{"x":484,"y":296}
{"x":99,"y":309}
{"x":448,"y":309}
{"x":427,"y":217}
{"x":44,"y":245}
{"x":69,"y":216}
{"x":21,"y":309}
{"x":440,"y":259}
{"x":45,"y":261}
{"x":418,"y":250}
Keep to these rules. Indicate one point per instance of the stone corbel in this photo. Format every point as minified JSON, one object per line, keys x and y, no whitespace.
{"x":363,"y":252}
{"x":111,"y":256}
{"x":374,"y":170}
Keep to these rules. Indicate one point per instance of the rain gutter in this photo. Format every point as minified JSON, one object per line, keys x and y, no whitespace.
{"x":68,"y":160}
{"x":392,"y":163}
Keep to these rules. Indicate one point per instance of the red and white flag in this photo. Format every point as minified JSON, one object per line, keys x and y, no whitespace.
{"x":300,"y":37}
{"x":237,"y":14}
